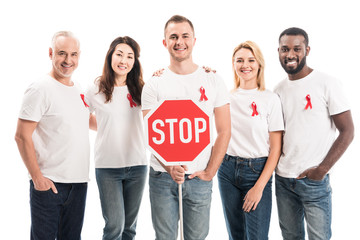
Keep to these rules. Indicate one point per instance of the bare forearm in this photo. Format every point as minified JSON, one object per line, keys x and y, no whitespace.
{"x":344,"y":124}
{"x":336,"y":151}
{"x":268,"y":170}
{"x":218,"y":152}
{"x":273,"y":159}
{"x":28,"y":155}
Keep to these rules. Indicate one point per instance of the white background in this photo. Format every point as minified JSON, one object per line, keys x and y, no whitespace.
{"x":26,"y":31}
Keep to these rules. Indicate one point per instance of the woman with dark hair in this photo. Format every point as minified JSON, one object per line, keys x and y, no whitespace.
{"x":120,"y":157}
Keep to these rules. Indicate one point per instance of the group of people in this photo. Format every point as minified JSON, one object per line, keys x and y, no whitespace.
{"x":300,"y":130}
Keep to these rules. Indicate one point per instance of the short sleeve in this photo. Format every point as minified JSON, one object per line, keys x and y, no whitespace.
{"x":335,"y":97}
{"x":149,"y":95}
{"x":276,"y":121}
{"x":90,"y":97}
{"x":33,"y":106}
{"x":223,"y":95}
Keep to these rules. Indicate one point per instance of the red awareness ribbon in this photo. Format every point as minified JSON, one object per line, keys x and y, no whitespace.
{"x":253,"y":105}
{"x":83,"y":99}
{"x":308,"y":99}
{"x":132,"y":103}
{"x":203,"y":96}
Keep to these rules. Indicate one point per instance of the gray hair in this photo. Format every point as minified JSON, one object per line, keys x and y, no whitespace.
{"x":63,"y":34}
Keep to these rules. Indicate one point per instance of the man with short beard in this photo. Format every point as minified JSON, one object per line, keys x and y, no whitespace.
{"x":314,"y":107}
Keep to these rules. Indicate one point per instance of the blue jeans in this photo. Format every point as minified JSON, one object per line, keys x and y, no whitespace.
{"x":236,"y":177}
{"x":299,"y":198}
{"x":120,"y":191}
{"x":164,"y":198}
{"x":58,"y":216}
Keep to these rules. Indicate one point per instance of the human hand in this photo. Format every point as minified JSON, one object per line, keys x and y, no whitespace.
{"x":158,"y":73}
{"x":314,"y":173}
{"x":203,"y":175}
{"x":177,"y":173}
{"x":43,"y":184}
{"x":208,"y":69}
{"x":252,"y":199}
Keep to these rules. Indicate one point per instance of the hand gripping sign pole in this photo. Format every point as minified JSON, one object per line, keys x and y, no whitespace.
{"x":177,"y":131}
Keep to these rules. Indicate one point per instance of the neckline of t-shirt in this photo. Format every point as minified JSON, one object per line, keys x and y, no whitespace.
{"x":61,"y":84}
{"x":242,"y":90}
{"x":301,"y":80}
{"x":183,"y":75}
{"x":120,"y":87}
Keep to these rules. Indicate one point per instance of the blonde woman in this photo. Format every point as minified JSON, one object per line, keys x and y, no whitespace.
{"x":245,"y":176}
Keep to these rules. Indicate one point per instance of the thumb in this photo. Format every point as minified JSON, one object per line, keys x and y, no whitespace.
{"x":53,"y":188}
{"x":195,"y":174}
{"x":302,"y":175}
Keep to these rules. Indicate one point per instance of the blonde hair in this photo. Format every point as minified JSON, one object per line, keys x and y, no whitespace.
{"x":254,"y":48}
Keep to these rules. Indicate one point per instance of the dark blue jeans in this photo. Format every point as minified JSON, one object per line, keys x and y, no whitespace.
{"x":236,"y":177}
{"x":58,"y":216}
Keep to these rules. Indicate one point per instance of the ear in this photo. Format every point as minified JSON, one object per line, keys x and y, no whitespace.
{"x":50,"y":53}
{"x":194,"y":41}
{"x":164,"y":43}
{"x":307,"y":50}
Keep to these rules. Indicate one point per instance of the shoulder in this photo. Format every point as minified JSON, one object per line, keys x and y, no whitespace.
{"x":280,"y":85}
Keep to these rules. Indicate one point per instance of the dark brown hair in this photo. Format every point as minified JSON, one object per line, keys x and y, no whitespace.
{"x":134,"y":79}
{"x":179,"y":19}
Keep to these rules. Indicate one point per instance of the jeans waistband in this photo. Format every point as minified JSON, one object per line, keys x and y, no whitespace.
{"x":241,"y":159}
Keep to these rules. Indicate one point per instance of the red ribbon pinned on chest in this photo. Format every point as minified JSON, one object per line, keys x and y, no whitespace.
{"x":203,"y":96}
{"x":308,"y":99}
{"x":83,"y":99}
{"x":255,"y":112}
{"x":132,"y":103}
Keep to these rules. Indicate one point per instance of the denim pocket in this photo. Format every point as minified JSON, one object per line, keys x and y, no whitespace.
{"x":156,"y":174}
{"x":257,"y":166}
{"x":316,"y":182}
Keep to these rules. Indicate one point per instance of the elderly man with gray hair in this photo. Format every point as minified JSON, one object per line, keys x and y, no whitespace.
{"x":53,"y":140}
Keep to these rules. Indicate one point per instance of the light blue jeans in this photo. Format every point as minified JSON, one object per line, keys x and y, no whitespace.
{"x":299,"y":198}
{"x":236,"y":177}
{"x":120,"y":191}
{"x":164,"y":200}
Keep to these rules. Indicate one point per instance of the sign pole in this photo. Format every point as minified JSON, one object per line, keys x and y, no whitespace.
{"x":181,"y":213}
{"x":177,"y":129}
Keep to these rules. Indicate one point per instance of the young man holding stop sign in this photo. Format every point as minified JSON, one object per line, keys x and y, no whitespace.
{"x":184,"y":79}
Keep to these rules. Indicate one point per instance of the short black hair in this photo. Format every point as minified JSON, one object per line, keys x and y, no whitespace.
{"x":293,"y":31}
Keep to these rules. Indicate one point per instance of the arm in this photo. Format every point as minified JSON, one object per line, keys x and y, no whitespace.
{"x":177,"y":173}
{"x":345,"y":126}
{"x":254,"y":195}
{"x":92,"y":122}
{"x":23,"y":138}
{"x":223,"y":128}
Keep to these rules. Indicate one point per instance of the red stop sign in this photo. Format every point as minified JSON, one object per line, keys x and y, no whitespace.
{"x":177,"y":131}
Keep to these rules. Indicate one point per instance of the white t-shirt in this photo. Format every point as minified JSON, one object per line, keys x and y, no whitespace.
{"x":61,"y":138}
{"x":309,"y":133}
{"x":120,"y":135}
{"x":171,"y":86}
{"x":250,"y":131}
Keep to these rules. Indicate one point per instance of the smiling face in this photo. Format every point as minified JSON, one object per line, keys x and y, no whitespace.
{"x":292,"y":54}
{"x":65,"y":57}
{"x":179,"y":40}
{"x":122,"y":61}
{"x":246,"y":68}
